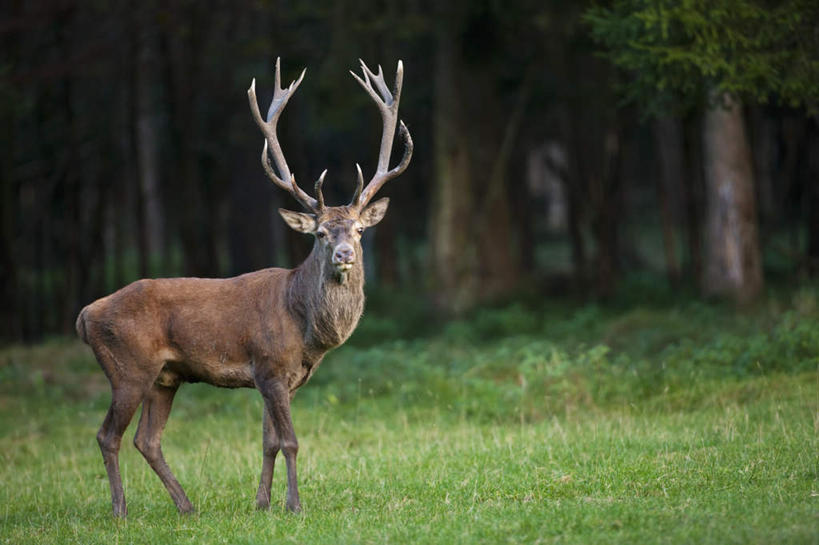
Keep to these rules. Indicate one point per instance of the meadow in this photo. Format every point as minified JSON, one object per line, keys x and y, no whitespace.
{"x":648,"y":422}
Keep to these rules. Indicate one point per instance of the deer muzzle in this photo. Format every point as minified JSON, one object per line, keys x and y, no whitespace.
{"x":343,"y":257}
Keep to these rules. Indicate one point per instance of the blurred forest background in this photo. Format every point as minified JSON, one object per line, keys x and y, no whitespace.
{"x":560,"y":146}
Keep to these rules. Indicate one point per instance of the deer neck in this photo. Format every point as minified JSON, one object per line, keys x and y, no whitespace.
{"x":329,"y":305}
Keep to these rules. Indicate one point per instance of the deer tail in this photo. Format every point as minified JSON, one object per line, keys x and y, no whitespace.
{"x":80,"y":325}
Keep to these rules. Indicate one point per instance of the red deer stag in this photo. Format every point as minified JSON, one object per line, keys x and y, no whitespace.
{"x":267,"y":329}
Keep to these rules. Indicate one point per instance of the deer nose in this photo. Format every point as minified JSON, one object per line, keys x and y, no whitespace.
{"x":344,"y":254}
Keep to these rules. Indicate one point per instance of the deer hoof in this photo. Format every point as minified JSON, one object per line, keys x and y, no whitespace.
{"x":186,"y":509}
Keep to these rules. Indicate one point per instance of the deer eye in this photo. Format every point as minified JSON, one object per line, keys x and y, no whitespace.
{"x":321,"y":234}
{"x":360,"y":230}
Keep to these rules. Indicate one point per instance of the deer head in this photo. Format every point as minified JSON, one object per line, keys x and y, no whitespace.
{"x":337,"y":229}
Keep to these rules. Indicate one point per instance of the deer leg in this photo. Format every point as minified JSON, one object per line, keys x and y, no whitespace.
{"x":270,"y":448}
{"x":277,"y":401}
{"x":156,"y":408}
{"x":124,"y":401}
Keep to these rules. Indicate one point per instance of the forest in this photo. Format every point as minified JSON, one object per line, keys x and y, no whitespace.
{"x":559,"y":145}
{"x":592,"y":308}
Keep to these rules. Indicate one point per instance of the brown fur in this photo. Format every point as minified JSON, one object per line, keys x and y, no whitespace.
{"x":267,"y":329}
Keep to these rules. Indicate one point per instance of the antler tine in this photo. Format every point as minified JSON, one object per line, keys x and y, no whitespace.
{"x":388,"y":106}
{"x":277,"y":79}
{"x":280,"y":97}
{"x":379,"y":180}
{"x":379,"y":81}
{"x":268,"y":168}
{"x":358,"y":187}
{"x":317,"y":190}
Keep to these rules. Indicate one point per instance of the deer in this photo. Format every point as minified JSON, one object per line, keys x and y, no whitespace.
{"x":268,"y":329}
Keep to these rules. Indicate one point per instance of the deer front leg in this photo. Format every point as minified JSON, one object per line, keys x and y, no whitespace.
{"x":270,"y":448}
{"x":277,"y":401}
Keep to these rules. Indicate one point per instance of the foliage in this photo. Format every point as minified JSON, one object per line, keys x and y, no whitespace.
{"x":548,"y":361}
{"x":680,"y":50}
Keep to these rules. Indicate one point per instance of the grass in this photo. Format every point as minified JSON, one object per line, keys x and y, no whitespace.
{"x":678,"y":422}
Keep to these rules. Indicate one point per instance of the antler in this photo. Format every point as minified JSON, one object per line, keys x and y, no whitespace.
{"x":271,"y":142}
{"x":388,"y":106}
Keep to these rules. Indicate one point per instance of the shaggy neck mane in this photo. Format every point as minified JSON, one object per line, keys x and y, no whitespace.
{"x":329,"y":305}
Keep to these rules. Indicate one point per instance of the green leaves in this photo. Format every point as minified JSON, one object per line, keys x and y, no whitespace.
{"x":676,"y":51}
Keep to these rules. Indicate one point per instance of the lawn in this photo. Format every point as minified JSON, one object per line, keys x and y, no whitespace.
{"x":680,"y":422}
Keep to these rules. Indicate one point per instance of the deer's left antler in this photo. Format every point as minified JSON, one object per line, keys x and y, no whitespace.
{"x":388,"y":106}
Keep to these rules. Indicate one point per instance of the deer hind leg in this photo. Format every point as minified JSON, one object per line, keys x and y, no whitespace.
{"x":124,"y":401}
{"x":156,"y":407}
{"x":270,"y":448}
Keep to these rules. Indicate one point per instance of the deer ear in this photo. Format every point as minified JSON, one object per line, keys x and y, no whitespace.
{"x":374,"y":213}
{"x":303,"y":223}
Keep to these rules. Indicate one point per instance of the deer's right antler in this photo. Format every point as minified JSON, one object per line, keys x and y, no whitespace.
{"x":271,"y":142}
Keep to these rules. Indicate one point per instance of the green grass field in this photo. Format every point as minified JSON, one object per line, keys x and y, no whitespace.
{"x":669,"y":423}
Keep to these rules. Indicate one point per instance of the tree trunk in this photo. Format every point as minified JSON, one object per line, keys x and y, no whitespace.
{"x":668,"y":136}
{"x":605,"y":189}
{"x":733,"y":264}
{"x":12,"y":313}
{"x":576,"y":194}
{"x":70,"y":186}
{"x":250,"y":230}
{"x":574,"y":218}
{"x":182,"y":73}
{"x":135,"y":152}
{"x":764,"y":156}
{"x":693,"y":196}
{"x":812,"y":194}
{"x":452,"y":246}
{"x":146,"y":138}
{"x":500,"y":272}
{"x":10,"y":323}
{"x":793,"y":137}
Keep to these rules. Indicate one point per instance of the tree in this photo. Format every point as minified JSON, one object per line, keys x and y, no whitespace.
{"x":715,"y":56}
{"x":479,"y":103}
{"x":733,"y":262}
{"x":453,"y":247}
{"x":145,"y":136}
